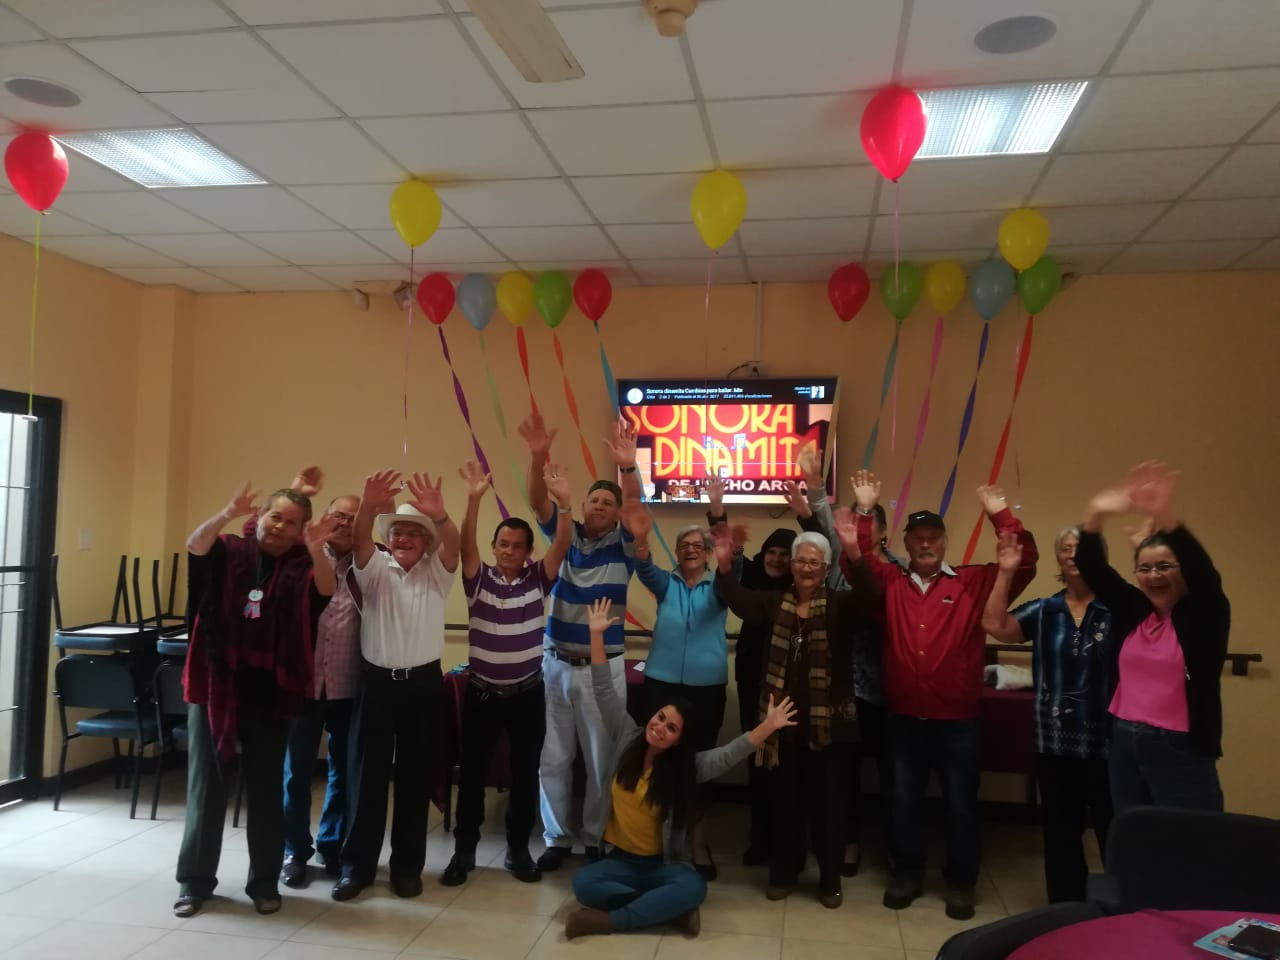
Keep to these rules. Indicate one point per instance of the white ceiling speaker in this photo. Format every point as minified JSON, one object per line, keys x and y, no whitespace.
{"x":529,"y":39}
{"x":402,"y":295}
{"x":670,"y":15}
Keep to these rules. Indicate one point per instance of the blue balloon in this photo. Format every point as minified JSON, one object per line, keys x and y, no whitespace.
{"x":992,"y":285}
{"x":477,"y":300}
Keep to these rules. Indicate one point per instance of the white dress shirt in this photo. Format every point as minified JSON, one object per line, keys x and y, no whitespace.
{"x":402,"y":620}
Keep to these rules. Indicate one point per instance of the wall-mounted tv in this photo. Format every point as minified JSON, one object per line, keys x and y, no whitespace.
{"x":748,"y":432}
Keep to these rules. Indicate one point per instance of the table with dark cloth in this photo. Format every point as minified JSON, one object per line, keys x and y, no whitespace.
{"x":1163,"y":934}
{"x":1007,"y":742}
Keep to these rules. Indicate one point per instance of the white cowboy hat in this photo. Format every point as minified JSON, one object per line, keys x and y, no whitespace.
{"x":407,"y":513}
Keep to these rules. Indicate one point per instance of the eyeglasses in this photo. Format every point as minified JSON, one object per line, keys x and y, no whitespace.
{"x":695,"y":547}
{"x":1163,"y":567}
{"x":808,"y":564}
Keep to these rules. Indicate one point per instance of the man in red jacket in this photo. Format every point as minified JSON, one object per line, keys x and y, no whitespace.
{"x":933,"y":670}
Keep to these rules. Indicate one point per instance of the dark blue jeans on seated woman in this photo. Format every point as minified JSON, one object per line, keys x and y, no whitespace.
{"x":1150,"y":766}
{"x":637,"y":891}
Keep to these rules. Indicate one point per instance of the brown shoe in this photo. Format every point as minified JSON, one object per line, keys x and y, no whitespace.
{"x":831,"y":900}
{"x":587,"y":922}
{"x":690,"y":924}
{"x":776,"y":893}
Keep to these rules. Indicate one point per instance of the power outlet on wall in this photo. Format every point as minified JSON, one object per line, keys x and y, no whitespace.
{"x":86,"y":538}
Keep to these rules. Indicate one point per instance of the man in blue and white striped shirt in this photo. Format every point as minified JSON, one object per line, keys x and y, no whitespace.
{"x":599,"y":565}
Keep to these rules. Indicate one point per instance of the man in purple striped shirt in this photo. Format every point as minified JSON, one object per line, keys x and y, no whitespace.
{"x":507,"y":604}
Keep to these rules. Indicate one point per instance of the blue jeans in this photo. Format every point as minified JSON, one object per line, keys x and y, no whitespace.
{"x":916,"y":748}
{"x":1150,"y":766}
{"x":637,"y":891}
{"x":299,"y":763}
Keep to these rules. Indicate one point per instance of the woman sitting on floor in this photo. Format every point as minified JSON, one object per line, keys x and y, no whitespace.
{"x":647,"y":879}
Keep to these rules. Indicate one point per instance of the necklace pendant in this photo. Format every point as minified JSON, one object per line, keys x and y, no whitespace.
{"x":255,"y":595}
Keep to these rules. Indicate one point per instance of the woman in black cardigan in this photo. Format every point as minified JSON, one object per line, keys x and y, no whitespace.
{"x":1172,"y":630}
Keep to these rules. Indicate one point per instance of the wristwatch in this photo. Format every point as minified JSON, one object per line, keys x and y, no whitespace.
{"x":630,"y":469}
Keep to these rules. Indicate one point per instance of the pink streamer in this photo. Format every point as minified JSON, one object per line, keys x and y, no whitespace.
{"x":922,"y":422}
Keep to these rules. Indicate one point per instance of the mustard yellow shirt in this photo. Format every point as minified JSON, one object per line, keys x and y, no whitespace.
{"x":634,"y":826}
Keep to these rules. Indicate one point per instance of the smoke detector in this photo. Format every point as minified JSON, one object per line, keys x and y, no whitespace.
{"x":670,"y":15}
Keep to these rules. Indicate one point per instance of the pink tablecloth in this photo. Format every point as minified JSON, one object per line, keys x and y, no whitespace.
{"x":1007,"y":744}
{"x":1158,"y":934}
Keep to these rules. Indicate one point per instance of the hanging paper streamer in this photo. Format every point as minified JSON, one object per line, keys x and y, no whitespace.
{"x":572,"y":403}
{"x":610,"y":381}
{"x":523,"y":346}
{"x":922,"y":421}
{"x":496,"y":403}
{"x":890,"y":370}
{"x":1024,"y":354}
{"x":466,"y":416}
{"x":965,"y":422}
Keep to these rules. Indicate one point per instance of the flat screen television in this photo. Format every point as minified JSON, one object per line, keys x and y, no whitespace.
{"x":748,"y":432}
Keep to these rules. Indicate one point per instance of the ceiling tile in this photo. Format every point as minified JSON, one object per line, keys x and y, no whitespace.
{"x":940,"y":49}
{"x":106,"y":252}
{"x":882,"y":260}
{"x":1106,"y":224}
{"x":19,"y":220}
{"x":387,"y":69}
{"x":187,"y":277}
{"x":812,"y":192}
{"x":1266,"y":257}
{"x":251,"y":208}
{"x":980,"y":183}
{"x":1158,"y":111}
{"x":489,"y":146}
{"x":1084,"y":259}
{"x":1269,"y":132}
{"x":13,"y":29}
{"x":1219,"y":220}
{"x":797,"y":269}
{"x":105,"y":101}
{"x":788,"y":131}
{"x":809,"y":46}
{"x":268,"y":279}
{"x":663,"y":138}
{"x":306,"y":247}
{"x":618,"y":272}
{"x":935,"y":231}
{"x":315,"y":11}
{"x":1124,"y":177}
{"x":94,"y":18}
{"x":211,"y":250}
{"x":1251,"y":171}
{"x":135,"y":212}
{"x":514,"y":203}
{"x":360,"y":206}
{"x":309,"y":151}
{"x":1227,"y":33}
{"x":727,"y":269}
{"x":658,"y":241}
{"x":552,"y":243}
{"x":444,"y":245}
{"x":625,"y":60}
{"x":86,"y":176}
{"x":842,"y":235}
{"x":653,"y":198}
{"x":361,"y":276}
{"x":1180,"y":257}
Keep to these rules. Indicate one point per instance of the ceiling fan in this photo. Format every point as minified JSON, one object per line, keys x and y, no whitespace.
{"x":534,"y":46}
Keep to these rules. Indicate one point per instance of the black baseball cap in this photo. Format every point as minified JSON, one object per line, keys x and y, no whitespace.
{"x":925,"y":518}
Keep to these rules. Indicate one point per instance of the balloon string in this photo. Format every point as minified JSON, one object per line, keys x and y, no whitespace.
{"x":890,"y":365}
{"x":896,"y":255}
{"x":922,"y":421}
{"x":408,"y":334}
{"x":31,"y":348}
{"x":965,"y":421}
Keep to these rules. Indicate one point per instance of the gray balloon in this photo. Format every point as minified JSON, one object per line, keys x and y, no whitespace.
{"x":476,"y":299}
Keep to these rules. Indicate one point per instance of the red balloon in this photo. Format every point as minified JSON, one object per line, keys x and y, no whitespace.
{"x":37,"y":169}
{"x":435,"y":296}
{"x":892,"y":130}
{"x":593,"y":293}
{"x":848,"y":289}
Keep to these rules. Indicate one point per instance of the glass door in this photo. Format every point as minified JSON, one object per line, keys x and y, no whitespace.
{"x":28,"y":498}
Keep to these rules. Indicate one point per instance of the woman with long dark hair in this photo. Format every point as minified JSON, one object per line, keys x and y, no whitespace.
{"x":646,"y":878}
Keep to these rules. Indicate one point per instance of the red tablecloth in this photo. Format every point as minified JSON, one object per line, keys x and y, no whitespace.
{"x":1158,"y":934}
{"x":1007,"y":744}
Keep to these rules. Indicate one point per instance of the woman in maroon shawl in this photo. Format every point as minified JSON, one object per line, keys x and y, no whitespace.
{"x":254,"y":605}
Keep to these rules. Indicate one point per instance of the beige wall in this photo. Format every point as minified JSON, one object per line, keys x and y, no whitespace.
{"x":1122,"y":368}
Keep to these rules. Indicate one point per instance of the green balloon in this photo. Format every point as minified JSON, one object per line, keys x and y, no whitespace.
{"x":1039,"y":283}
{"x":552,"y":296}
{"x":900,"y":288}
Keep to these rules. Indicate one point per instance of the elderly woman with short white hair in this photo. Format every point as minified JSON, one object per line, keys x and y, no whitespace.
{"x":809,"y":659}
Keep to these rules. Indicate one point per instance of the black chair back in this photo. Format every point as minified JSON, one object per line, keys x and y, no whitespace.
{"x":95,"y":683}
{"x":167,"y":688}
{"x":999,"y":938}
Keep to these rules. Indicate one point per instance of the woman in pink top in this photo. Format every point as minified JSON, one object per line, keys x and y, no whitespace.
{"x":1173,"y":626}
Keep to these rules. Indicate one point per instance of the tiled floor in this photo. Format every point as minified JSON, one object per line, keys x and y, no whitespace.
{"x":87,"y":881}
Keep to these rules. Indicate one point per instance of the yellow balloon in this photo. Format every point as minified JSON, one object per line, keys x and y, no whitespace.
{"x":718,"y":204}
{"x":415,"y":212}
{"x":515,"y":297}
{"x":1023,"y":237}
{"x":944,"y":286}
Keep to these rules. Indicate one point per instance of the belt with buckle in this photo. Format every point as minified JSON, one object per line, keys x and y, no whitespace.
{"x":402,"y":673}
{"x":580,"y":661}
{"x":503,"y":690}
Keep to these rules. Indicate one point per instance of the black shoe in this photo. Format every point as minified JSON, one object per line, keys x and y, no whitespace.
{"x":960,"y":901}
{"x":552,"y":857}
{"x":268,"y":905}
{"x":407,"y":887}
{"x":754,"y":856}
{"x":521,"y":866}
{"x":333,"y":868}
{"x":594,"y":854}
{"x":460,"y":864}
{"x":187,"y":905}
{"x":851,"y":867}
{"x":902,"y":890}
{"x":347,"y":888}
{"x":294,"y":873}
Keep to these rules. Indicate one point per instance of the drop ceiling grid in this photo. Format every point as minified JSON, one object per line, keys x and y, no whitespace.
{"x":913,"y":13}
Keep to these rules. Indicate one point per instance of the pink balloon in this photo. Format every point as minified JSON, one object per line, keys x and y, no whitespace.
{"x":892,"y":130}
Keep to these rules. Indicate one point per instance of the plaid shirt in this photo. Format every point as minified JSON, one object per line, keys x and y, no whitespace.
{"x":337,"y":655}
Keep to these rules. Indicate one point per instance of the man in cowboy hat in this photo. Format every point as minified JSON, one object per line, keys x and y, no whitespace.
{"x":398,"y":703}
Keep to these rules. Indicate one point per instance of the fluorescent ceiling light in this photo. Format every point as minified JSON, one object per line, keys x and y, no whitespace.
{"x":172,"y":157}
{"x":987,"y":121}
